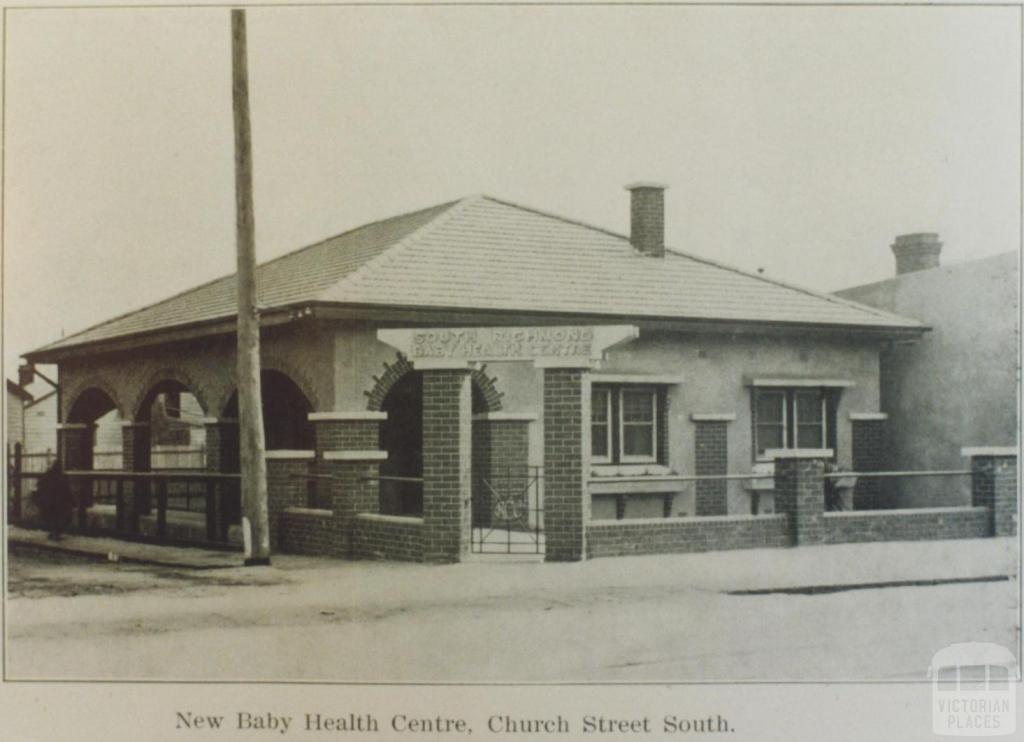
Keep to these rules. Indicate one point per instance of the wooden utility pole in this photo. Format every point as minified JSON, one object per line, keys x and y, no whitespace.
{"x":255,"y":522}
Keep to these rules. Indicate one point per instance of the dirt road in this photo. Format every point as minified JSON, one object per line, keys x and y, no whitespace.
{"x":637,"y":619}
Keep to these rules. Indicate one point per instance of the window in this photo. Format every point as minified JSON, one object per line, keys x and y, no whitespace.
{"x":600,"y":425}
{"x":624,"y":424}
{"x":793,"y":418}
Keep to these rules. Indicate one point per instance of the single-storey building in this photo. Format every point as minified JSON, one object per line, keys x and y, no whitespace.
{"x":485,"y":364}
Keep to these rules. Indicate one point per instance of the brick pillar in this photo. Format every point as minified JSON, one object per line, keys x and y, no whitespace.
{"x":286,"y":486}
{"x":74,"y":445}
{"x":994,"y":486}
{"x":868,"y":434}
{"x":74,"y":449}
{"x":347,"y":449}
{"x":566,"y":450}
{"x":447,"y":463}
{"x":500,"y":461}
{"x":712,"y":458}
{"x":221,"y":445}
{"x":135,"y":449}
{"x":135,"y":456}
{"x":800,"y":492}
{"x":222,"y":456}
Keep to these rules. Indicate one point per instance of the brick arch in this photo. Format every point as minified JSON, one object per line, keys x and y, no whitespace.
{"x":401,"y":366}
{"x":169,"y":374}
{"x":282,"y":366}
{"x":93,"y":382}
{"x":296,"y":374}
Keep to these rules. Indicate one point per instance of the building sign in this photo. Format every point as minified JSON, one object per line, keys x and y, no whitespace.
{"x":568,"y":346}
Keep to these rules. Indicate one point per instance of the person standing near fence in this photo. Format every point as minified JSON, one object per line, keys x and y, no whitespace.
{"x":55,"y":500}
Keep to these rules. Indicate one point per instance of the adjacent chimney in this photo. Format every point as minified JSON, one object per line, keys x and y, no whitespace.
{"x":647,"y":218}
{"x":26,"y":374}
{"x":916,"y":252}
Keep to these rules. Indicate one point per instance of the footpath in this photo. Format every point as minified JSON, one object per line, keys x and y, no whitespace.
{"x":804,"y":569}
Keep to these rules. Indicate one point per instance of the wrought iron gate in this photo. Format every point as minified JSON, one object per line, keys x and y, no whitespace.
{"x":508,"y":517}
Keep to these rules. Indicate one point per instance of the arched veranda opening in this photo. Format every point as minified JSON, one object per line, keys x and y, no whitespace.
{"x":401,"y":436}
{"x":174,"y":418}
{"x":101,"y":446}
{"x":286,"y":409}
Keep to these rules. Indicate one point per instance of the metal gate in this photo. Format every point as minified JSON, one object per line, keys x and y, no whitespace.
{"x":508,"y":517}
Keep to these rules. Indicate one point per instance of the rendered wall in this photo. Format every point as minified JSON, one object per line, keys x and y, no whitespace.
{"x":957,"y":386}
{"x":713,"y":368}
{"x":303,"y":351}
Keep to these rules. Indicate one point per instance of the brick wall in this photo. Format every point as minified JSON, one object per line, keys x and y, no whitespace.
{"x":447,"y":467}
{"x":906,"y":525}
{"x":712,"y":457}
{"x":500,"y":462}
{"x":800,"y":494}
{"x":566,"y":504}
{"x":286,"y":488}
{"x":347,"y":435}
{"x":351,"y":489}
{"x":994,"y":486}
{"x":312,"y":532}
{"x":684,"y":535}
{"x":387,"y":537}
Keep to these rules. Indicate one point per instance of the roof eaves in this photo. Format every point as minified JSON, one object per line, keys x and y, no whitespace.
{"x":69,"y":340}
{"x":17,"y":391}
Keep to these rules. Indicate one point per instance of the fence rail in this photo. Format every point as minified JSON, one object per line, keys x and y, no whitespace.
{"x":883,"y":474}
{"x":844,"y":490}
{"x":142,"y":502}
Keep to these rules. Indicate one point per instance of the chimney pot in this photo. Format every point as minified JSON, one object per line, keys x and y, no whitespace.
{"x":916,"y":252}
{"x":647,"y":218}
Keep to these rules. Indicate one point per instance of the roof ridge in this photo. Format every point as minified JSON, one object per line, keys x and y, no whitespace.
{"x":717,"y":264}
{"x":791,"y":286}
{"x":347,"y":232}
{"x":559,"y":217}
{"x":234,"y":273}
{"x":356,"y":276}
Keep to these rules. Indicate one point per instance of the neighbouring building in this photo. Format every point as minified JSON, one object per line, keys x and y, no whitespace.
{"x":959,"y":382}
{"x":484,"y":365}
{"x":17,"y":398}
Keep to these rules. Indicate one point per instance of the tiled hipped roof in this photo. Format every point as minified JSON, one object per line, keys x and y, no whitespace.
{"x":482,"y":253}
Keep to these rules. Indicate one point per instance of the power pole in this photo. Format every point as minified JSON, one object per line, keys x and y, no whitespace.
{"x":255,"y":522}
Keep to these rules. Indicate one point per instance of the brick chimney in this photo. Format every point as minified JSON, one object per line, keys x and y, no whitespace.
{"x":647,"y":218}
{"x":916,"y":252}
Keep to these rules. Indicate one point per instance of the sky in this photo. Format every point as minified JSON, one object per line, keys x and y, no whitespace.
{"x":796,"y":140}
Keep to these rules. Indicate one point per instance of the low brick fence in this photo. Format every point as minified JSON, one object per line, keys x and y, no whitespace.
{"x":387,"y":537}
{"x":311,"y":532}
{"x":907,"y":525}
{"x":801,"y":518}
{"x":682,"y":535}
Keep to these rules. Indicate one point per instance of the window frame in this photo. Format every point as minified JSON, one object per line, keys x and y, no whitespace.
{"x":607,"y":425}
{"x":616,"y":423}
{"x":623,"y":457}
{"x":790,"y":416}
{"x":823,"y":402}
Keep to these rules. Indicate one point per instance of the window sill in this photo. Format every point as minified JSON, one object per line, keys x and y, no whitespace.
{"x":629,"y":470}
